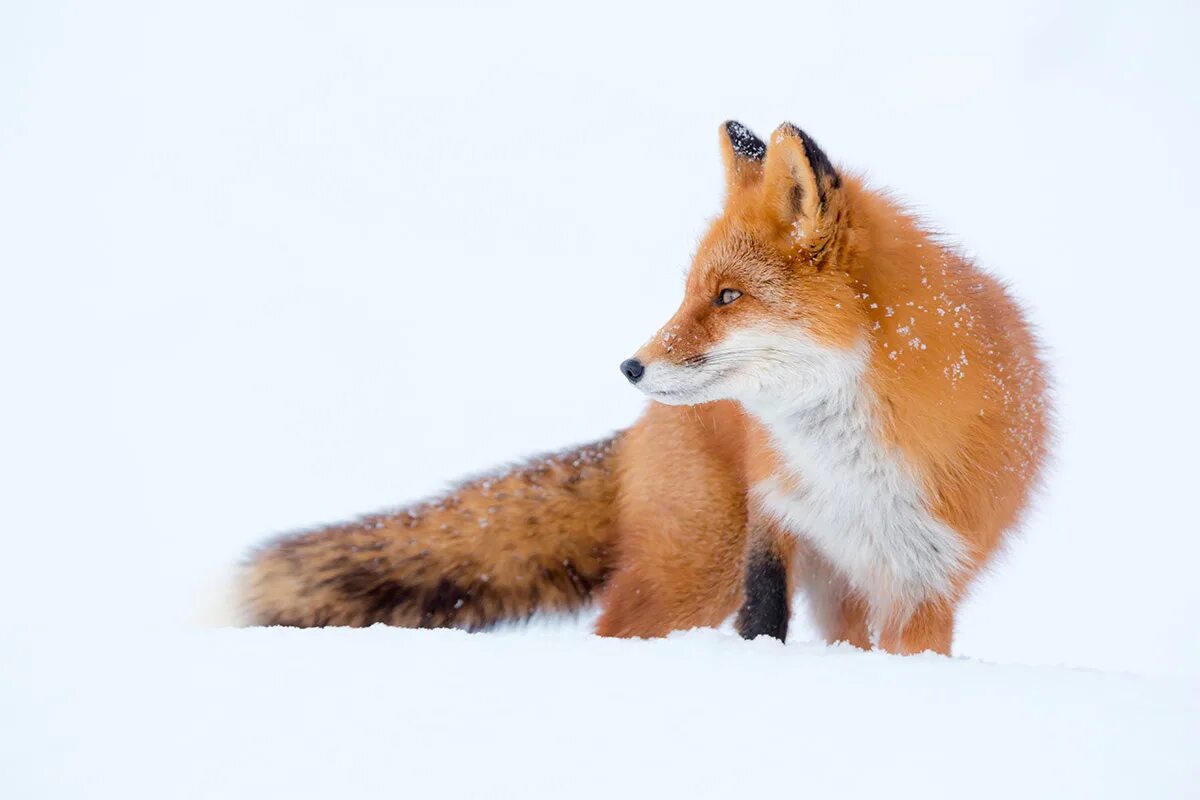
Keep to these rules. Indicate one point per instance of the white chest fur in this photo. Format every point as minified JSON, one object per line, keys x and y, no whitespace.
{"x":854,"y":499}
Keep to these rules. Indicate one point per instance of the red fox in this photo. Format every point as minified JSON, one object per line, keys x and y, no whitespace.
{"x":842,"y":405}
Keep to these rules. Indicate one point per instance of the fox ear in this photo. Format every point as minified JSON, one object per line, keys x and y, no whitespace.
{"x":799,"y":181}
{"x":743,"y":154}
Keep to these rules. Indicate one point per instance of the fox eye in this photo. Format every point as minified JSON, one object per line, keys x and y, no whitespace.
{"x":726,"y":297}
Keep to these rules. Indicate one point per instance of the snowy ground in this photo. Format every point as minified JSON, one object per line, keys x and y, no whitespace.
{"x":264,"y":265}
{"x":342,"y":713}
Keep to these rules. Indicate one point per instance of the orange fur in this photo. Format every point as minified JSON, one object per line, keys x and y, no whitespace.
{"x":958,"y":392}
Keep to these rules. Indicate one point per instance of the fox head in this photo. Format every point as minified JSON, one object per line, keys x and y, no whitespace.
{"x":769,"y":304}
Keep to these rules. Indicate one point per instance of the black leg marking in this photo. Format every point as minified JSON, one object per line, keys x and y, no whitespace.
{"x":765,"y":609}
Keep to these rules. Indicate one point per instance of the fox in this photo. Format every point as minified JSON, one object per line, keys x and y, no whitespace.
{"x":843,"y":407}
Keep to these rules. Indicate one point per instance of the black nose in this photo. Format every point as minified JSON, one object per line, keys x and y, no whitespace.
{"x":632,"y":369}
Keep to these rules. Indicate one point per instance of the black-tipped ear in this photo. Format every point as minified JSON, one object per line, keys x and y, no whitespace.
{"x":799,"y":180}
{"x":822,"y":167}
{"x":743,"y":141}
{"x":743,"y":154}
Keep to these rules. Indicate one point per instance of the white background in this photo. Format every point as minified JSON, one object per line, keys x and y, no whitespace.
{"x":271,"y":265}
{"x":268,"y":265}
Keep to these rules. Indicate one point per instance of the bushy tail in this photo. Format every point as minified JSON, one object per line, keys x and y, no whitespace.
{"x":537,"y":537}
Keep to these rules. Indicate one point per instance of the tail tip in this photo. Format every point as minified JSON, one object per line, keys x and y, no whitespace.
{"x":224,"y":601}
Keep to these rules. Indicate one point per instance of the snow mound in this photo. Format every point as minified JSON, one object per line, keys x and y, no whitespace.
{"x":404,"y":713}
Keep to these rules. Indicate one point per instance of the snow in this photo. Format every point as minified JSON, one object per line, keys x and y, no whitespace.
{"x":352,"y":713}
{"x":266,"y":265}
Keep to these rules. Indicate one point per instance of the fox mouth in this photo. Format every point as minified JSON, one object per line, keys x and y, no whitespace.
{"x":695,"y":385}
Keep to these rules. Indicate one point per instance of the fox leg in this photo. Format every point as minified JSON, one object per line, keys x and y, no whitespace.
{"x":851,"y":625}
{"x":766,"y":606}
{"x":931,"y":627}
{"x":675,"y":568}
{"x":839,"y":612}
{"x":681,"y":528}
{"x":667,"y":580}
